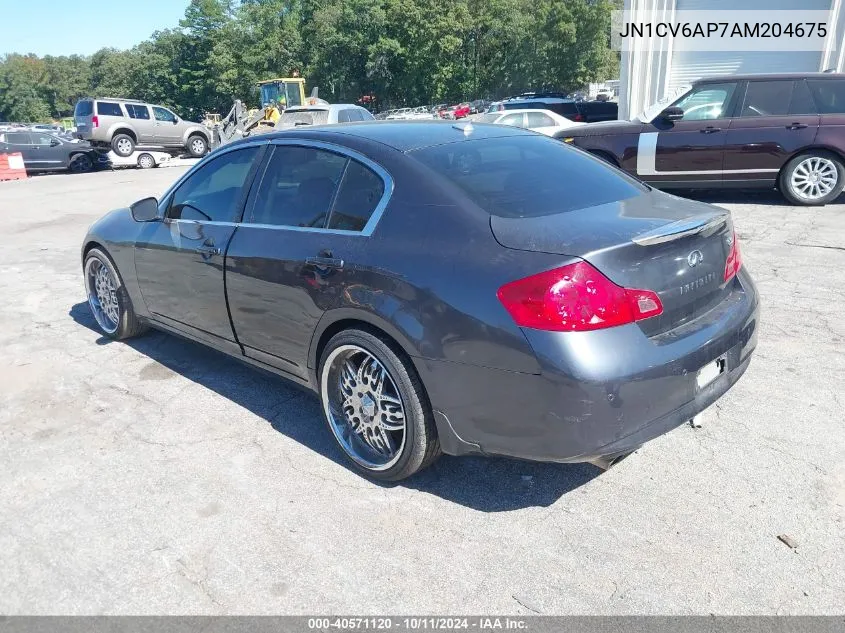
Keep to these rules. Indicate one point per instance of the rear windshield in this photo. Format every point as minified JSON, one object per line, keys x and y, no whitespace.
{"x":303,"y":117}
{"x":829,"y":95}
{"x":84,"y":108}
{"x":491,"y":117}
{"x":528,"y":176}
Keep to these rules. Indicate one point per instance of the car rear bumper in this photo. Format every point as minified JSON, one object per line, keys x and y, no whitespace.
{"x":599,"y":393}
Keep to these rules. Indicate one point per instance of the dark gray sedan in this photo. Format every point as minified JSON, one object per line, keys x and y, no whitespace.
{"x":443,"y":287}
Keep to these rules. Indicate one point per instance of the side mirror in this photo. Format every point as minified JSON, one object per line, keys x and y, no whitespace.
{"x":672,"y":113}
{"x":175,"y":121}
{"x":145,"y":210}
{"x":54,"y":143}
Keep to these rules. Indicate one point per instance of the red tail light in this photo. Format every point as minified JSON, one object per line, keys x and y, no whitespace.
{"x":575,"y":298}
{"x":578,"y":117}
{"x":95,"y":122}
{"x":734,"y":261}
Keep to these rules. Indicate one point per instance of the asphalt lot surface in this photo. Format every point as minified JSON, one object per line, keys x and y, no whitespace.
{"x":160,"y":477}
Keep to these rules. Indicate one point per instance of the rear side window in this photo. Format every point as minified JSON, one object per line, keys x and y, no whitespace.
{"x":18,"y":138}
{"x":528,"y":176}
{"x":359,"y":194}
{"x":298,"y":187}
{"x":213,"y":192}
{"x":137,"y":111}
{"x":538,"y":119}
{"x":346,"y":116}
{"x":84,"y":108}
{"x":802,"y":101}
{"x":109,"y":108}
{"x":829,"y":95}
{"x":766,"y":98}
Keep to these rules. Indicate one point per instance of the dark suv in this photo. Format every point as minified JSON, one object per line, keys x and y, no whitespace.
{"x":743,"y":131}
{"x":581,"y":111}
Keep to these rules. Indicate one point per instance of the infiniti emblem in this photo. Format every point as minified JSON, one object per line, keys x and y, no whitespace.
{"x":694,"y":258}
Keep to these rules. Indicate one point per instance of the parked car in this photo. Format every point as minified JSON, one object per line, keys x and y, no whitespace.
{"x":143,"y":159}
{"x":123,"y":124}
{"x":478,"y":106}
{"x":736,"y":131}
{"x":542,"y":121}
{"x":580,"y":111}
{"x":461,"y":110}
{"x":323,"y":114}
{"x":49,"y":152}
{"x":442,"y":287}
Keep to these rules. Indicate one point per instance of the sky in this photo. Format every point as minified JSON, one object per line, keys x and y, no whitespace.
{"x":64,"y":28}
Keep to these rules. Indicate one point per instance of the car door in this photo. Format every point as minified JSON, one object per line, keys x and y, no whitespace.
{"x":690,"y":151}
{"x":166,"y":130}
{"x":541,"y":122}
{"x":774,"y":120}
{"x":179,"y":260}
{"x":293,"y":254}
{"x":145,"y":125}
{"x":49,"y":151}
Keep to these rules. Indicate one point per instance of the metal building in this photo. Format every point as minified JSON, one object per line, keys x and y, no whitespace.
{"x":652,"y":69}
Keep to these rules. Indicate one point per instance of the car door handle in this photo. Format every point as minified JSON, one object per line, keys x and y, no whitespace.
{"x":208,"y":250}
{"x":325,"y":262}
{"x":710,"y":129}
{"x":796,"y":126}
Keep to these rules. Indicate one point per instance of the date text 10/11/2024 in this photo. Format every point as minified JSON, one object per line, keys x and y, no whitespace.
{"x":416,"y":623}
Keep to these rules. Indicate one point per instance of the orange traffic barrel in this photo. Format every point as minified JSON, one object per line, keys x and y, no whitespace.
{"x":12,"y":167}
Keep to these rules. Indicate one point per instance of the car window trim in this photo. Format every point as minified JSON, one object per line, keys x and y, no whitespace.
{"x":167,"y":199}
{"x":375,"y":216}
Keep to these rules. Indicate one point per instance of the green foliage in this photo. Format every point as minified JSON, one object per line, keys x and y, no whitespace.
{"x":406,"y":52}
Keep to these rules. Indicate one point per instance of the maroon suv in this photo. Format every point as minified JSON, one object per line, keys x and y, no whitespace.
{"x":744,"y":131}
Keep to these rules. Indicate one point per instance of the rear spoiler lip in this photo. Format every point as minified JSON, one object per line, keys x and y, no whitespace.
{"x":682,"y":228}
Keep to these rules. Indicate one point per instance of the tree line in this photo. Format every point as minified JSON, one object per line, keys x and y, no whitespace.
{"x":403,"y":52}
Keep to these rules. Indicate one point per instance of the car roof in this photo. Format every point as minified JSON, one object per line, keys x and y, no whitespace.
{"x":403,"y":135}
{"x":768,"y":76}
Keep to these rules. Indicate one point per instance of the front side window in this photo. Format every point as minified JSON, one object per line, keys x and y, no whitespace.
{"x":42,"y":139}
{"x":163,"y":114}
{"x":829,"y":95}
{"x":108,"y":108}
{"x":298,"y":187}
{"x":137,"y":111}
{"x":213,"y":193}
{"x":538,"y":119}
{"x":710,"y":101}
{"x":766,"y":98}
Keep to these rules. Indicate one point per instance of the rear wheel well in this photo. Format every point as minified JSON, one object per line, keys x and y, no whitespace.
{"x":811,"y":150}
{"x":126,"y":131}
{"x":349,"y":324}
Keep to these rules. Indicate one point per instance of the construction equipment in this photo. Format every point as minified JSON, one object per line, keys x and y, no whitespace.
{"x":276,"y":96}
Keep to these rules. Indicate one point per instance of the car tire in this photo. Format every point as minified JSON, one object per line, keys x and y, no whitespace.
{"x":123,"y":145}
{"x":813,"y":178}
{"x":366,"y":383}
{"x":146,"y":161}
{"x":107,"y":297}
{"x":197,"y":145}
{"x":80,"y":164}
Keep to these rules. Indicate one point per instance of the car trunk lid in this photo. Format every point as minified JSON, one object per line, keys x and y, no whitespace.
{"x":674,"y":247}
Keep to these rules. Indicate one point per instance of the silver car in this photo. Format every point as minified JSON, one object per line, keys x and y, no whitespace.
{"x":123,"y":124}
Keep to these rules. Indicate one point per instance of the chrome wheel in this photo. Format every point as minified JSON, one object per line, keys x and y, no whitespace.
{"x":198,"y":147}
{"x":124,"y":147}
{"x":102,"y":294}
{"x":145,"y":161}
{"x":814,"y":178}
{"x":364,"y":407}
